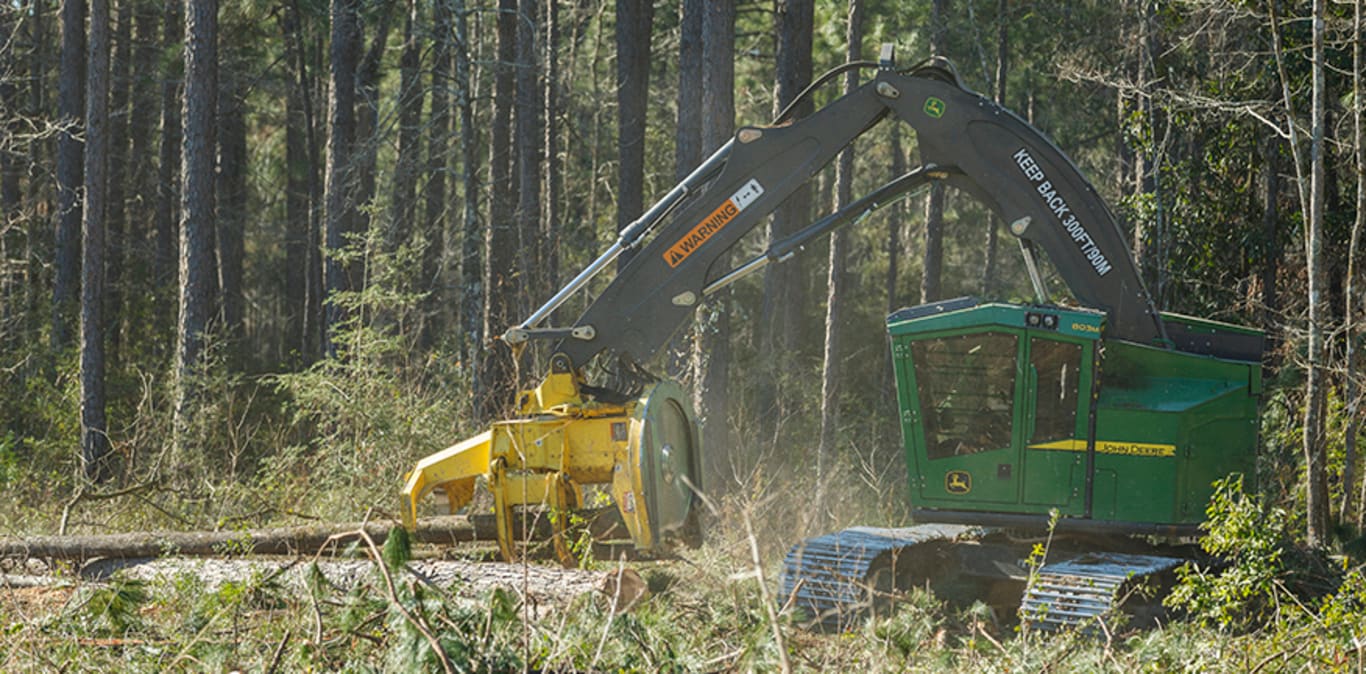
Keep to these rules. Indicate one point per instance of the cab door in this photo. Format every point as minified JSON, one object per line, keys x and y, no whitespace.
{"x":964,"y":424}
{"x":1058,"y":376}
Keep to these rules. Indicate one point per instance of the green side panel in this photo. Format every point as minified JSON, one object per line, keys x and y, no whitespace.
{"x":1104,"y":494}
{"x":1203,"y":409}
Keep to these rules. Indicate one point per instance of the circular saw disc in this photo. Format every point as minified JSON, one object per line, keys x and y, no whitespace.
{"x":669,"y":460}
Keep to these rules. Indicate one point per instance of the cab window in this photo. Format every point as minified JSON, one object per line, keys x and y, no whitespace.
{"x":1057,"y":371}
{"x":967,"y":392}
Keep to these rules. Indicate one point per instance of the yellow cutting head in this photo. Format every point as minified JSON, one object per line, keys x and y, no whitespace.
{"x":647,"y":450}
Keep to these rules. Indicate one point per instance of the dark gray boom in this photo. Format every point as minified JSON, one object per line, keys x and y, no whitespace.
{"x":965,"y":140}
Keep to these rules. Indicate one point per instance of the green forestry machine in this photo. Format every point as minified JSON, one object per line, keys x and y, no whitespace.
{"x":1099,"y":425}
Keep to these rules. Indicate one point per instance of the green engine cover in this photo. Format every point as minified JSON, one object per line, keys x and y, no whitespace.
{"x":1019,"y":410}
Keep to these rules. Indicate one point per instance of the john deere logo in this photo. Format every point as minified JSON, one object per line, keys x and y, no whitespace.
{"x":958,"y":482}
{"x":934,"y":107}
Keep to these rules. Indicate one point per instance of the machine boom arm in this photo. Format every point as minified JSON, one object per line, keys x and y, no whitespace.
{"x":965,"y":140}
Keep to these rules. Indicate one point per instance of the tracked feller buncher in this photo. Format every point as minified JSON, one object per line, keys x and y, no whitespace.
{"x":1098,"y":426}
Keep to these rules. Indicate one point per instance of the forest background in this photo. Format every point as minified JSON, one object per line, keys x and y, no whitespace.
{"x":253,"y":255}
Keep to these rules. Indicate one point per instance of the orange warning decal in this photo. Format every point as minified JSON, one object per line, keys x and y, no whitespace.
{"x":704,"y":230}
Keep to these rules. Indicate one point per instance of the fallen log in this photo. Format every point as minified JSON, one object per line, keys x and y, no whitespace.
{"x":298,"y":540}
{"x":538,"y":586}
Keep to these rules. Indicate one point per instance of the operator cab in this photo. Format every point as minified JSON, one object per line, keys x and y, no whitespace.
{"x":1010,"y":411}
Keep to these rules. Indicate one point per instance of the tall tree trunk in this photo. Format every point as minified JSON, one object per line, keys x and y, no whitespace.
{"x":472,"y":241}
{"x":897,"y":212}
{"x":196,"y":205}
{"x":299,"y":244}
{"x":1315,"y":387}
{"x":11,"y":196}
{"x":11,"y":112}
{"x":837,"y":283}
{"x":1352,"y":329}
{"x":313,"y":88}
{"x":143,"y":114}
{"x":530,"y":151}
{"x":1270,"y":263}
{"x":687,"y":137}
{"x":688,"y":130}
{"x":438,"y":149}
{"x":410,"y":99}
{"x":785,"y":293}
{"x":70,"y":110}
{"x":94,"y":430}
{"x":231,"y":211}
{"x":339,"y":197}
{"x":634,"y":22}
{"x":931,"y":279}
{"x":39,"y":229}
{"x":711,"y":348}
{"x":989,"y":273}
{"x":1142,"y":164}
{"x":116,"y":213}
{"x":367,"y":139}
{"x":550,"y":219}
{"x":168,"y":167}
{"x":500,"y":243}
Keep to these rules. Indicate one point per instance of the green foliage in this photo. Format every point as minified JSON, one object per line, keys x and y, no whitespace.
{"x":112,"y":610}
{"x":1250,"y":538}
{"x":369,"y":409}
{"x":915,"y":625}
{"x":398,"y":549}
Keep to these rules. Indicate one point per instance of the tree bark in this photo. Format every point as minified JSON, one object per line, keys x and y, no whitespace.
{"x":1350,"y":395}
{"x":231,"y":209}
{"x":711,"y":347}
{"x":70,"y":111}
{"x":338,"y":192}
{"x":472,"y":242}
{"x":94,"y":430}
{"x":11,"y":113}
{"x":1315,"y":453}
{"x":989,"y":273}
{"x":368,"y":138}
{"x":931,"y":279}
{"x":1271,"y":195}
{"x":634,"y":22}
{"x":196,"y":204}
{"x":540,"y":586}
{"x":306,"y":539}
{"x":299,"y":243}
{"x":438,"y":160}
{"x":168,"y":168}
{"x":500,"y":244}
{"x":837,"y":282}
{"x":143,"y":114}
{"x":1353,"y":330}
{"x":785,"y":293}
{"x":410,"y":98}
{"x":894,"y":223}
{"x":530,"y":151}
{"x":38,"y":241}
{"x":12,"y":217}
{"x":550,"y":219}
{"x":687,"y":140}
{"x":688,"y":130}
{"x":116,"y":154}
